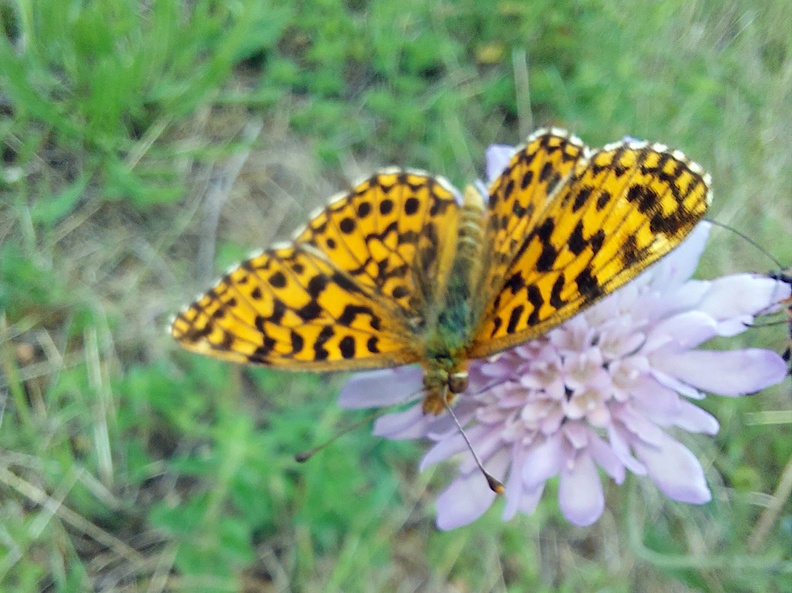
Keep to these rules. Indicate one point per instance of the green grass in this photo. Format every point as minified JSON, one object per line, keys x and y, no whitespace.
{"x":145,"y":146}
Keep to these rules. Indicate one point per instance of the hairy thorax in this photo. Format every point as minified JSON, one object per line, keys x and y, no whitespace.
{"x":443,"y":381}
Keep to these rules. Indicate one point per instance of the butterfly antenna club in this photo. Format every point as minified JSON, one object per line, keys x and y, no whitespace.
{"x":494,"y":483}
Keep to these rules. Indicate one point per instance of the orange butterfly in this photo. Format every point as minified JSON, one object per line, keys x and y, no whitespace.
{"x":404,"y":269}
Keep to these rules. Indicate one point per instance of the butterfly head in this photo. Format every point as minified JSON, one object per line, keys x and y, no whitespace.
{"x":443,"y":381}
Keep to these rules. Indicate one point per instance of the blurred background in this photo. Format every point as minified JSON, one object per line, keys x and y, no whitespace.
{"x":148,"y":145}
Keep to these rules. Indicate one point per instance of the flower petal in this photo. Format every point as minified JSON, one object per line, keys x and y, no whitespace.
{"x":385,"y":387}
{"x":544,"y":461}
{"x":517,"y":497}
{"x":680,"y":332}
{"x":734,"y":300}
{"x":638,"y":424}
{"x":605,"y":457}
{"x":580,"y":492}
{"x":465,"y":500}
{"x":694,"y":419}
{"x":685,"y":298}
{"x":482,"y":437}
{"x":497,"y":157}
{"x":675,"y":470}
{"x":442,"y":450}
{"x":654,"y":399}
{"x":677,"y":385}
{"x":680,"y":264}
{"x":620,"y":439}
{"x":468,"y":497}
{"x":733,"y":373}
{"x":409,"y":424}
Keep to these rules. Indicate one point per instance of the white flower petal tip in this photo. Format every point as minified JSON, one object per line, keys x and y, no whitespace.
{"x":464,"y":501}
{"x":731,"y":373}
{"x":675,"y":471}
{"x":580,"y":494}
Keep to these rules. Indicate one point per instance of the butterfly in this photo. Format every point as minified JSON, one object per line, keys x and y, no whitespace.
{"x":403,"y":268}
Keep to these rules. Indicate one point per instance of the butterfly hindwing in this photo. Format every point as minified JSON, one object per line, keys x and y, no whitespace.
{"x":621,"y":210}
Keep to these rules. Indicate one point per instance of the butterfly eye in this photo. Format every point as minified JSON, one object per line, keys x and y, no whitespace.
{"x":458,"y":382}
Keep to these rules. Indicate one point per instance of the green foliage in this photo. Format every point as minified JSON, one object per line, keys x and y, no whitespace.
{"x":100,"y":78}
{"x":24,"y":284}
{"x":128,"y":466}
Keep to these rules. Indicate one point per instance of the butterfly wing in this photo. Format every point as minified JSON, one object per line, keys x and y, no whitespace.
{"x":341,"y":296}
{"x":394,"y":234}
{"x":517,"y":197}
{"x":621,"y":210}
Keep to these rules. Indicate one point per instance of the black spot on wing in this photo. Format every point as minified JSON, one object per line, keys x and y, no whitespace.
{"x":316,"y":285}
{"x":411,"y":206}
{"x":278,"y":280}
{"x":514,"y":318}
{"x":347,"y":225}
{"x":577,"y":243}
{"x":515,"y":282}
{"x":347,"y":347}
{"x":547,"y":258}
{"x":320,"y":353}
{"x":310,"y":311}
{"x":596,"y":240}
{"x":547,"y":170}
{"x":588,"y":286}
{"x":386,"y":207}
{"x":555,"y":293}
{"x":603,"y":200}
{"x":536,"y":300}
{"x":581,"y":198}
{"x":297,"y":342}
{"x":644,"y":198}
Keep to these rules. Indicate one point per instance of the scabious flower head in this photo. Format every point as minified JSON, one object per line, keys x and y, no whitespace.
{"x":603,"y":391}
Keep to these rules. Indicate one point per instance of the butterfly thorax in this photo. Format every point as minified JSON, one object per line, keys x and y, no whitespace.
{"x":450,"y":333}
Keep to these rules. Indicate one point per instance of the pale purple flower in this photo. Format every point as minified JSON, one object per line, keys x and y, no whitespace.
{"x":604,"y":390}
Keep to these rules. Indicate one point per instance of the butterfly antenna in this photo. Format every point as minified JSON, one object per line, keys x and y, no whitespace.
{"x":494,"y":483}
{"x":304,"y":456}
{"x":749,"y":240}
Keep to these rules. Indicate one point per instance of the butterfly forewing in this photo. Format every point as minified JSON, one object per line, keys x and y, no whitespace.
{"x":520,"y":193}
{"x":620,"y":211}
{"x":352,"y":290}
